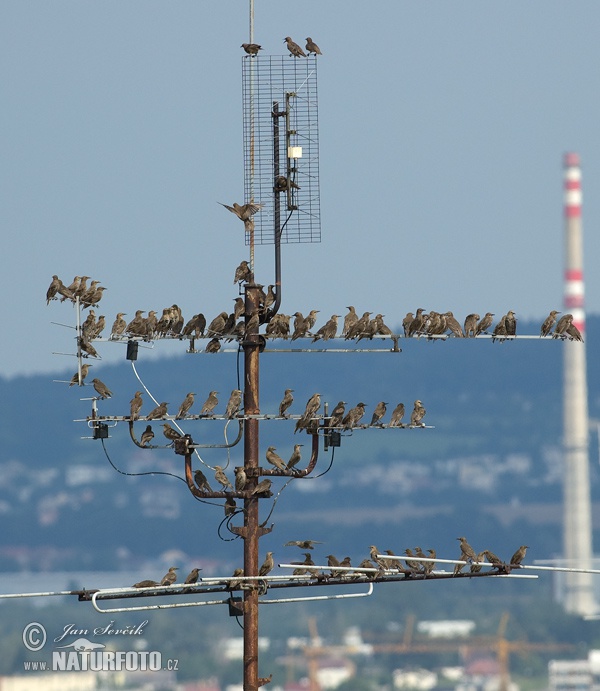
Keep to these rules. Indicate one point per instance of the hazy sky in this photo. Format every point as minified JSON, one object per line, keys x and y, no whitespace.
{"x":442,"y":131}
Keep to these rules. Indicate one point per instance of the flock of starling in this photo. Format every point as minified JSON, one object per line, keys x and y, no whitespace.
{"x":295,"y":50}
{"x":416,"y":562}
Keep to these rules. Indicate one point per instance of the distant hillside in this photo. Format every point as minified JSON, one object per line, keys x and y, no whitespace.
{"x":491,"y":468}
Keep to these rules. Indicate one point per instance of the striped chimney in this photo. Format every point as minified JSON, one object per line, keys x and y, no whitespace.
{"x":577,"y":528}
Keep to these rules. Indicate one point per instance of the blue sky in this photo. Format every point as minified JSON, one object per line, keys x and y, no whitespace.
{"x":442,"y":131}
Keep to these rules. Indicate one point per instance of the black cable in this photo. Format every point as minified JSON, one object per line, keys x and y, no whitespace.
{"x":149,"y":472}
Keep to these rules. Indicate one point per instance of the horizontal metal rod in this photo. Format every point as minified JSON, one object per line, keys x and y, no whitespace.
{"x":139,"y":608}
{"x":317,"y":597}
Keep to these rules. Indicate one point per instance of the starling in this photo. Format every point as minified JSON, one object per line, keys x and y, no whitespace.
{"x":295,"y":457}
{"x":549,"y":322}
{"x":510,"y":323}
{"x":233,"y":405}
{"x":230,"y":506}
{"x":294,"y":48}
{"x":416,"y":325}
{"x":101,"y":389}
{"x":136,"y":325}
{"x":349,"y":320}
{"x":65,"y":293}
{"x":333,"y":561}
{"x":213,"y":346}
{"x":98,"y":327}
{"x":485,"y":323}
{"x":308,"y":561}
{"x":467,"y":552}
{"x":147,"y":436}
{"x":74,"y":287}
{"x":52,"y":289}
{"x":406,"y":322}
{"x":170,"y":577}
{"x":574,"y":333}
{"x":244,"y":213}
{"x":238,"y":308}
{"x":417,"y":415}
{"x":378,"y":413}
{"x":495,"y":561}
{"x":366,"y":564}
{"x":428,"y":566}
{"x":84,"y":373}
{"x":287,"y":401}
{"x":119,"y":326}
{"x":359,"y":326}
{"x":275,"y":459}
{"x":251,"y":48}
{"x":397,"y":415}
{"x":195,"y":326}
{"x":262,"y":487}
{"x":87,"y":328}
{"x":314,"y":403}
{"x":135,"y":405}
{"x":311,"y":318}
{"x":82,"y":288}
{"x":303,"y":544}
{"x":412,"y":564}
{"x":282,"y":184}
{"x":221,"y":478}
{"x":453,"y":325}
{"x":327,"y":331}
{"x":337,"y":415}
{"x":210,"y":404}
{"x":217,"y":326}
{"x":477,"y":565}
{"x":88,"y":348}
{"x":499,"y":332}
{"x":312,"y":47}
{"x":170,"y":433}
{"x":236,"y":582}
{"x":267,"y":565}
{"x":192,"y":577}
{"x":242,"y":273}
{"x":240,"y":479}
{"x":384,"y":330}
{"x":159,"y":412}
{"x":470,"y":326}
{"x":145,"y":584}
{"x":188,"y":402}
{"x":201,"y":481}
{"x":354,"y":416}
{"x":518,"y":556}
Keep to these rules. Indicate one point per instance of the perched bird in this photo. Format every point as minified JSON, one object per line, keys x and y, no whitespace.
{"x":354,"y":416}
{"x":195,"y":326}
{"x":251,"y":48}
{"x":470,"y":325}
{"x":358,"y":327}
{"x":159,"y":412}
{"x":98,"y":328}
{"x":170,"y":577}
{"x":485,"y":323}
{"x":294,"y":48}
{"x":328,"y":330}
{"x":242,"y":273}
{"x":416,"y":325}
{"x":221,"y":478}
{"x":135,"y":405}
{"x":413,"y":564}
{"x":337,"y":415}
{"x":477,"y":565}
{"x":101,"y":389}
{"x":230,"y":506}
{"x":88,"y":348}
{"x":397,"y":415}
{"x":245,"y":212}
{"x":236,"y":582}
{"x":192,"y":577}
{"x":466,"y":551}
{"x":233,"y":405}
{"x":417,"y":415}
{"x":188,"y":402}
{"x":201,"y":481}
{"x":267,"y":565}
{"x":308,"y":561}
{"x":406,"y":322}
{"x":262,"y":487}
{"x":84,"y":373}
{"x":312,"y":406}
{"x":334,"y":561}
{"x":145,"y":584}
{"x":295,"y":457}
{"x":303,"y":544}
{"x":119,"y":326}
{"x":287,"y":401}
{"x":217,"y":326}
{"x":210,"y":404}
{"x":275,"y":459}
{"x":428,"y":566}
{"x":495,"y":561}
{"x":549,"y":322}
{"x":240,"y":479}
{"x":170,"y":433}
{"x":311,"y":318}
{"x":282,"y":183}
{"x":213,"y":346}
{"x":147,"y":436}
{"x":510,"y":322}
{"x":53,"y":289}
{"x":378,"y":413}
{"x":453,"y":325}
{"x":518,"y":556}
{"x":499,"y":332}
{"x":312,"y":47}
{"x":574,"y":333}
{"x":349,"y":320}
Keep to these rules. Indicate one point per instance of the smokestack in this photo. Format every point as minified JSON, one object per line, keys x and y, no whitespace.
{"x":577,"y":538}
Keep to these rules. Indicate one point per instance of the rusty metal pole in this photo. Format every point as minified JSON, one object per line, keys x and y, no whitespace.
{"x":251,"y":531}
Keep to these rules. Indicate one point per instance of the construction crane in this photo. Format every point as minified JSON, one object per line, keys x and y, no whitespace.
{"x":499,"y":644}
